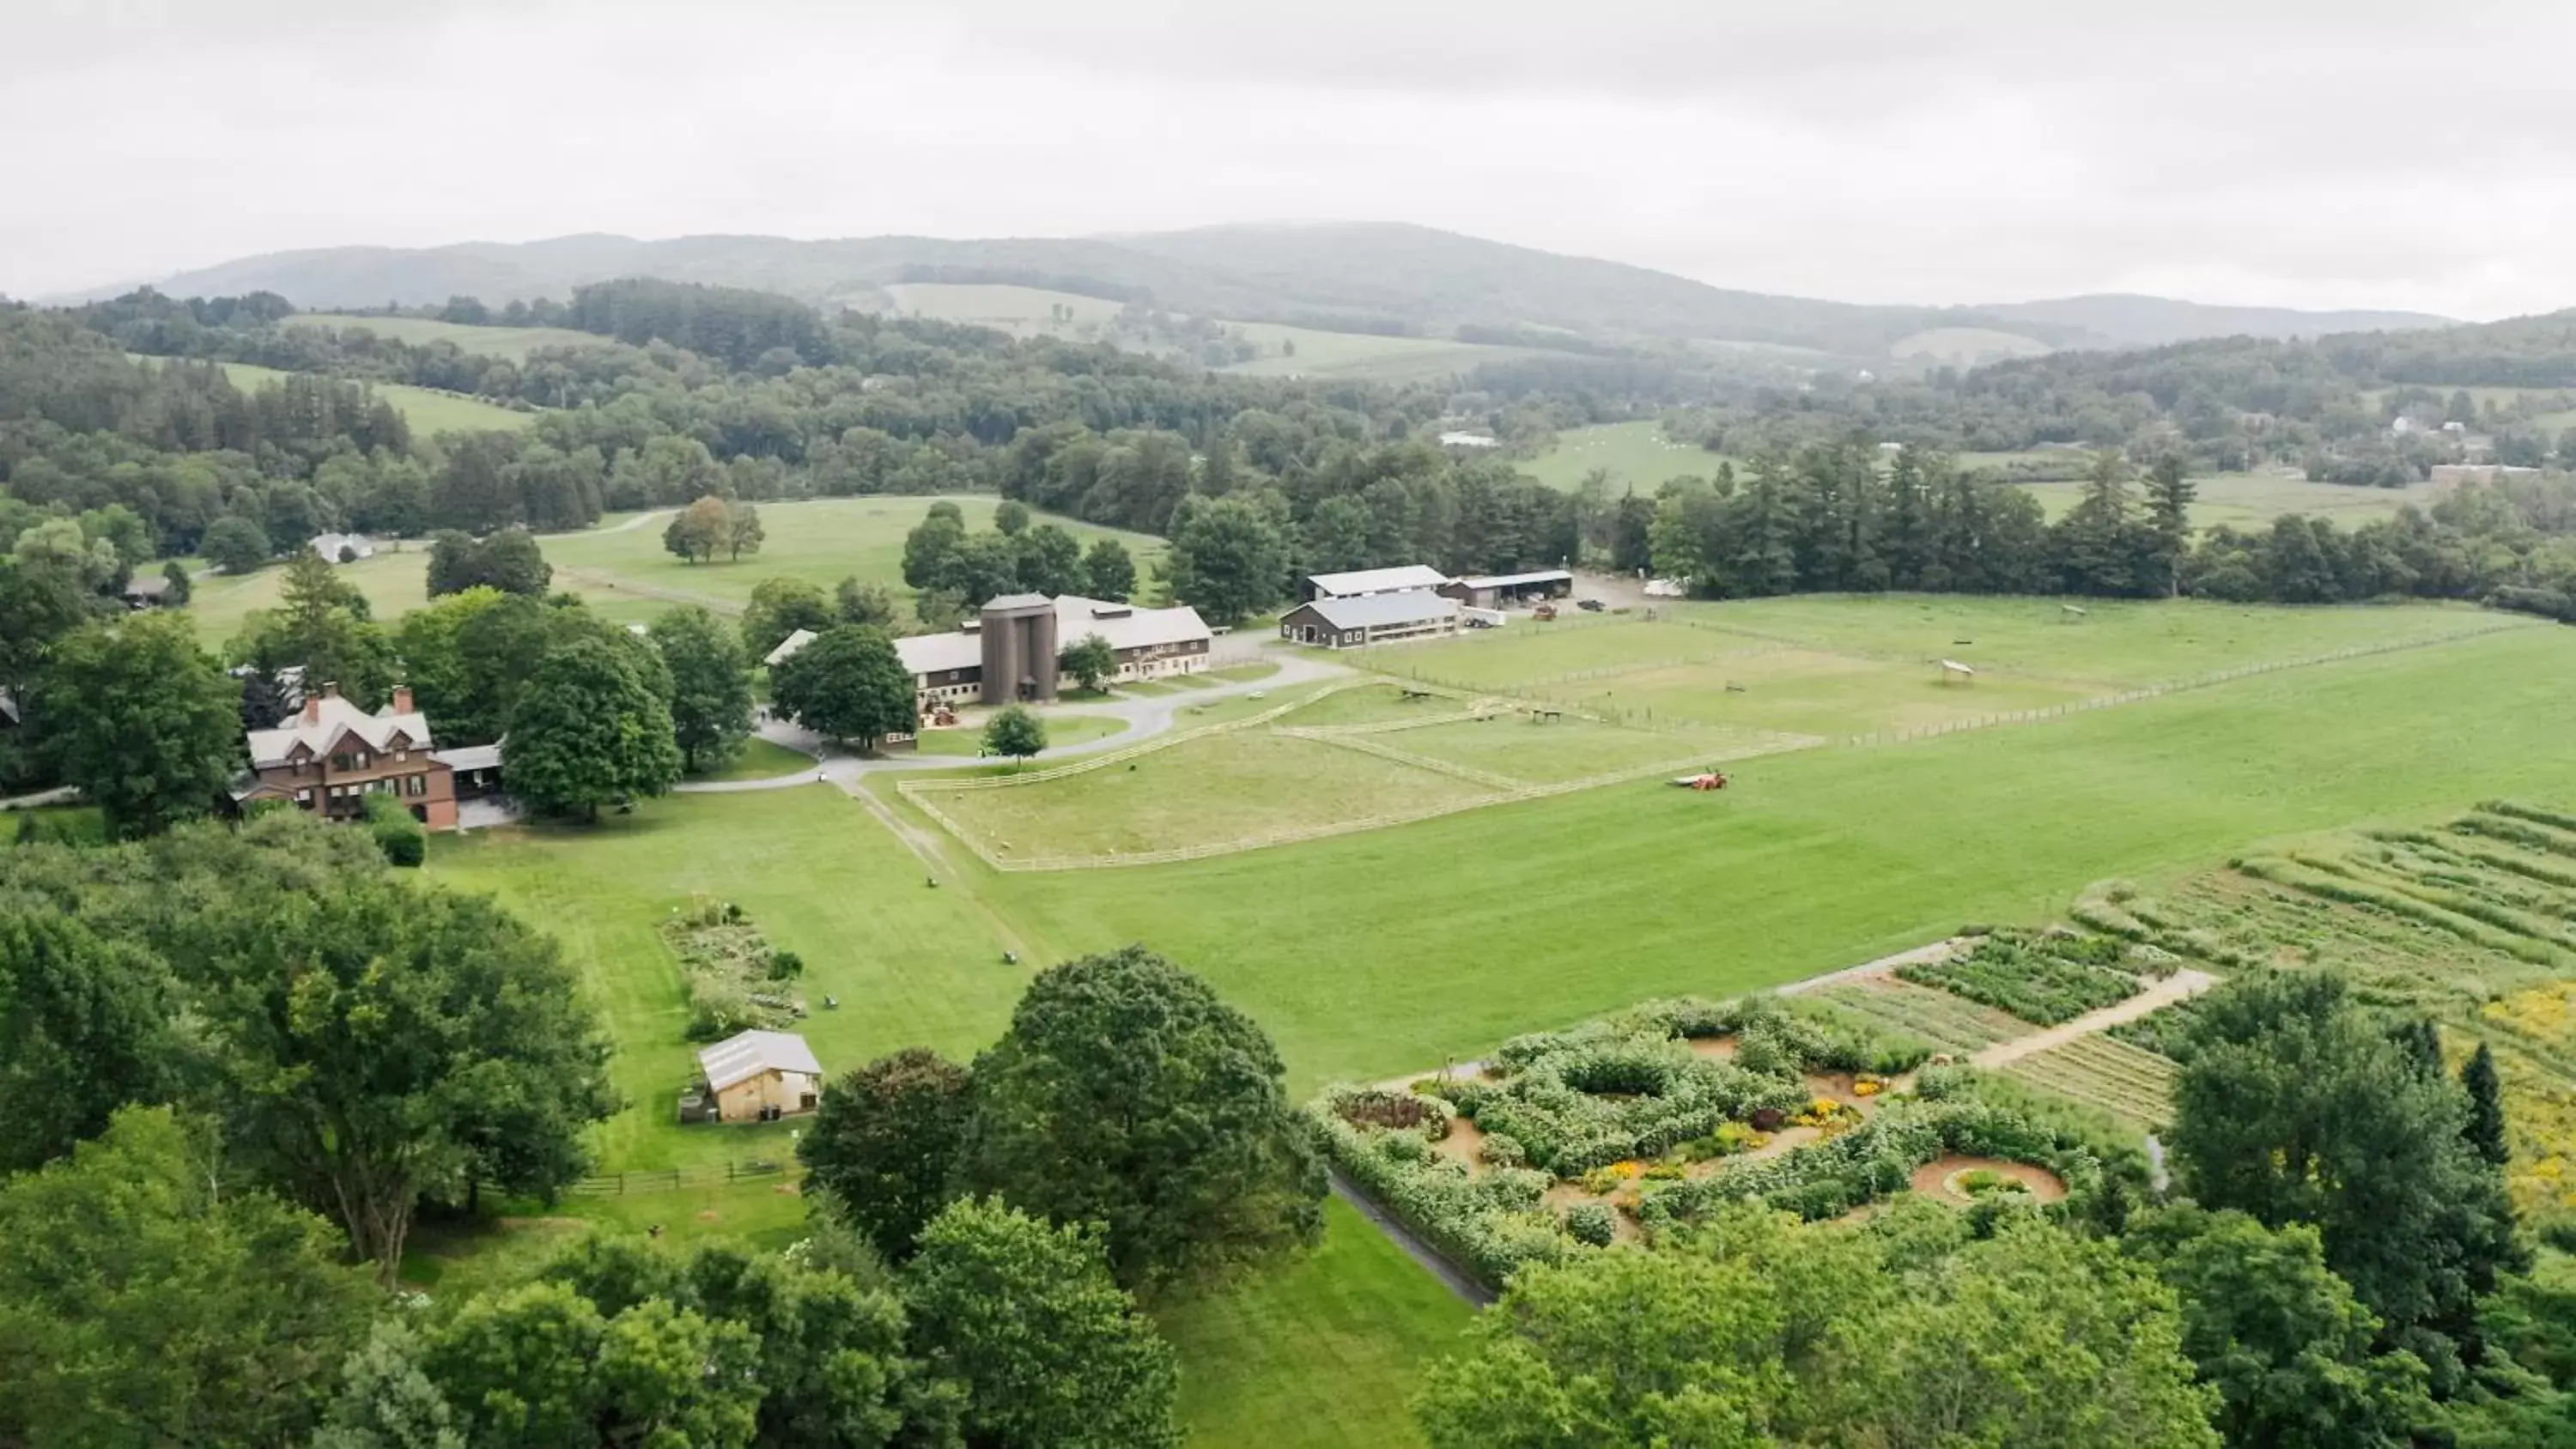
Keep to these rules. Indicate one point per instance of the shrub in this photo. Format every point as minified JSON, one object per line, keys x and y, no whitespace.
{"x":1501,"y":1149}
{"x":785,"y":965}
{"x":400,"y":837}
{"x":1592,"y":1223}
{"x":1394,"y":1112}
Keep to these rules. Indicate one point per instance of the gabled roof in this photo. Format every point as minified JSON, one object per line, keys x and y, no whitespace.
{"x":1377,"y":581}
{"x":748,"y":1054}
{"x":787,"y":647}
{"x":1124,"y":625}
{"x":938,"y":653}
{"x":1378,"y":611}
{"x":327,"y":720}
{"x":1514,"y":581}
{"x":1015,"y":601}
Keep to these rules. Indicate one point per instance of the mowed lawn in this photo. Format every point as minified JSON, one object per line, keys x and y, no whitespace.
{"x":1372,"y":954}
{"x":1364,"y":355}
{"x":2114,"y":643}
{"x":1637,"y":456}
{"x":822,"y":541}
{"x":911,"y":965}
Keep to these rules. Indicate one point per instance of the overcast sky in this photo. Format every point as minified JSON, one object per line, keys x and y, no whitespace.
{"x":2328,"y":154}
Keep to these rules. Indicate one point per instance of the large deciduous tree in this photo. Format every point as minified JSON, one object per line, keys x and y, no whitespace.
{"x":1126,"y":1093}
{"x":1015,"y":733}
{"x":85,"y":1027}
{"x":848,"y":685}
{"x":321,"y":626}
{"x":142,"y":721}
{"x":237,"y":545}
{"x":1091,"y":660}
{"x":145,"y":1300}
{"x":710,"y":685}
{"x":779,"y":607}
{"x":1052,"y":1354}
{"x":2296,"y":1106}
{"x":697,"y":533}
{"x":2279,"y":1336}
{"x":1229,"y":557}
{"x":590,"y":729}
{"x":1108,"y":572}
{"x":884,"y":1144}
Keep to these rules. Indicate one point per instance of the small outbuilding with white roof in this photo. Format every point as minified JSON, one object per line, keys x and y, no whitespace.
{"x":758,"y":1076}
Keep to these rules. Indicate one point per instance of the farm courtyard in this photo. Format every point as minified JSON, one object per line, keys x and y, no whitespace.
{"x":1524,"y":867}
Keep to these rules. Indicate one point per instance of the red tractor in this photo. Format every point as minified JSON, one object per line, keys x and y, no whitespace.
{"x":1706,"y":780}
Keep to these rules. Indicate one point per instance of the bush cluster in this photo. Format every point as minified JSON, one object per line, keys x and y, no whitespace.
{"x":2046,"y":979}
{"x":401,"y":838}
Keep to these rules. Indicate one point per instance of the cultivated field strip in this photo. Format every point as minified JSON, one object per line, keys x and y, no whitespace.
{"x":2103,"y":1072}
{"x":1948,"y":1022}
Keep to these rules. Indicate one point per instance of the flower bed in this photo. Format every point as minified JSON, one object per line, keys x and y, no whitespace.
{"x":2043,"y":979}
{"x":1619,"y":1107}
{"x":735,"y":979}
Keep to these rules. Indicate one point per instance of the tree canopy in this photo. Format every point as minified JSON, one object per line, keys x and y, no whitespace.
{"x":593,"y":727}
{"x":848,"y":684}
{"x":142,"y":721}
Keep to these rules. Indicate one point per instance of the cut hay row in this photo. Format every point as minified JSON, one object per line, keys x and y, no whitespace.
{"x":2299,"y":876}
{"x":2416,"y":886}
{"x":2531,"y":834}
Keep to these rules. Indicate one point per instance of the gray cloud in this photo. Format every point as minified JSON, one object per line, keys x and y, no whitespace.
{"x":2350,"y":155}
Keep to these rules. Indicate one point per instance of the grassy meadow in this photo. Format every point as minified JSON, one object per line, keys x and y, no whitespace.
{"x":1637,"y":456}
{"x":428,"y":411}
{"x":626,"y":575}
{"x":2247,"y":501}
{"x":1020,"y":311}
{"x":512,"y":343}
{"x":1360,"y":355}
{"x":1376,"y":953}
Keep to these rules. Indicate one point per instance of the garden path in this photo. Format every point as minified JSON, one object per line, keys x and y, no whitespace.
{"x":2180,"y":985}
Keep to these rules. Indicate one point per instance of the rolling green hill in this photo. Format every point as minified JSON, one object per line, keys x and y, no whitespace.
{"x":1347,"y":277}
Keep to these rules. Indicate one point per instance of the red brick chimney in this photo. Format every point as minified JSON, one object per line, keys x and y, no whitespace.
{"x":402,"y":699}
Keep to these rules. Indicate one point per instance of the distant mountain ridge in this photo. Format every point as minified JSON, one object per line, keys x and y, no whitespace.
{"x":1368,"y":277}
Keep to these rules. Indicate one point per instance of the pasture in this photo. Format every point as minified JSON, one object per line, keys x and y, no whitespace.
{"x":1306,"y":352}
{"x":428,"y":411}
{"x":395,"y":581}
{"x":1637,"y":456}
{"x":2247,"y":501}
{"x":622,"y":571}
{"x":1966,"y":346}
{"x":1376,"y":953}
{"x":1020,"y":311}
{"x":822,"y":541}
{"x":510,"y":343}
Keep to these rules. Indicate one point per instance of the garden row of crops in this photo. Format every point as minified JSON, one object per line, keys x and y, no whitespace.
{"x":2126,"y":1081}
{"x":2041,"y":977}
{"x":2165,"y":1031}
{"x":1951,"y":1023}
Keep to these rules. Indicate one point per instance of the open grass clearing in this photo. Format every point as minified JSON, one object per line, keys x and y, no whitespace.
{"x":395,"y":581}
{"x":1319,"y":1352}
{"x":1020,"y":311}
{"x":910,"y":965}
{"x":428,"y":411}
{"x":821,"y":541}
{"x":1637,"y":456}
{"x":1808,"y":692}
{"x":1238,"y":786}
{"x":513,"y":343}
{"x":1306,"y":352}
{"x":1526,"y":655}
{"x":2113,"y":643}
{"x":2248,"y":501}
{"x":1559,"y":750}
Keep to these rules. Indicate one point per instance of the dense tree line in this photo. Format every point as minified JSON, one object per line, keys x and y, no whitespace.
{"x":1832,"y":517}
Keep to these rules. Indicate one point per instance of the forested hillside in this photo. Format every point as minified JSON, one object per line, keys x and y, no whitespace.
{"x":1362,"y":277}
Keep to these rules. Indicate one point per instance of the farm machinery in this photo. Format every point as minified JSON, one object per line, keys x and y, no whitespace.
{"x":1705,"y":780}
